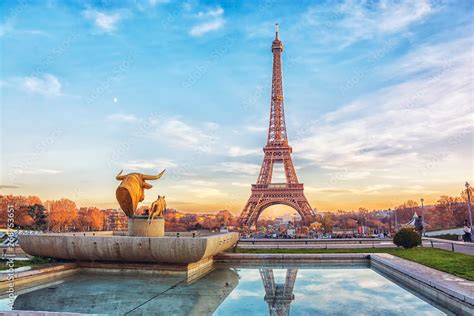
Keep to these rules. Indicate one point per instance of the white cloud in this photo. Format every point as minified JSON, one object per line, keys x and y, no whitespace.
{"x":212,"y":125}
{"x":237,"y":168}
{"x":240,"y":184}
{"x":255,"y":129}
{"x":48,"y":85}
{"x":213,"y":13}
{"x":352,"y":21}
{"x":236,"y":151}
{"x":205,"y":192}
{"x":405,"y":126}
{"x":6,"y":28}
{"x":206,"y":27}
{"x":106,"y":22}
{"x":202,"y":183}
{"x":120,"y":117}
{"x":142,"y":164}
{"x":156,"y":2}
{"x":37,"y":171}
{"x":213,"y":21}
{"x":180,"y":134}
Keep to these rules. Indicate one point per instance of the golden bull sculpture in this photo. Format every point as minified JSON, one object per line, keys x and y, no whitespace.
{"x":131,"y":190}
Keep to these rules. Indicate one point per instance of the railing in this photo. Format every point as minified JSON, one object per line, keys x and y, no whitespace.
{"x":455,"y":246}
{"x":316,"y":243}
{"x":278,"y":186}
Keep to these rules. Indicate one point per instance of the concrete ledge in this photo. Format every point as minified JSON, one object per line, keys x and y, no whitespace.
{"x":33,"y":275}
{"x":191,"y":271}
{"x":305,"y":258}
{"x":449,"y":291}
{"x":36,"y":313}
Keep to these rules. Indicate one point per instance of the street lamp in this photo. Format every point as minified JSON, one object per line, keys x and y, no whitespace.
{"x":469,"y":203}
{"x":396,"y":220}
{"x":422,"y":217}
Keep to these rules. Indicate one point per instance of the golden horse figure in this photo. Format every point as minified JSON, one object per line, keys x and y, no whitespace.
{"x":157,"y":208}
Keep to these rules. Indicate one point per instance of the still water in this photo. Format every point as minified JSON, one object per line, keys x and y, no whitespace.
{"x":229,"y":290}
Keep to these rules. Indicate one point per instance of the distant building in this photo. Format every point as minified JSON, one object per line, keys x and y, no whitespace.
{"x":115,"y":220}
{"x":341,"y":231}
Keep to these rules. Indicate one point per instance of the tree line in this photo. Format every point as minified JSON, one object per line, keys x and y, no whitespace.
{"x":63,"y":215}
{"x":52,"y":215}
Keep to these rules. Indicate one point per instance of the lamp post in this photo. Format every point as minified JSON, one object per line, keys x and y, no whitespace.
{"x":469,"y":203}
{"x":396,"y":220}
{"x":422,"y":217}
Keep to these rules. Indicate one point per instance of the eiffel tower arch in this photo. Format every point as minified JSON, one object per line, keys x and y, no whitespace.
{"x":277,"y":150}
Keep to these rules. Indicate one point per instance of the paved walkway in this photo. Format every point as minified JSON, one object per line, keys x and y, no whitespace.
{"x":456,"y":246}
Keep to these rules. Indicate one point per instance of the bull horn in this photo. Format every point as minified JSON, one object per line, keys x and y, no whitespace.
{"x":148,"y":177}
{"x":119,"y":176}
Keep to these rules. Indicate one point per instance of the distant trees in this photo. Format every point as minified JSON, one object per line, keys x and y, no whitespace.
{"x":37,"y":213}
{"x":448,"y":212}
{"x":89,"y":219}
{"x":21,"y":206}
{"x":62,"y":215}
{"x":406,"y":210}
{"x":327,"y":222}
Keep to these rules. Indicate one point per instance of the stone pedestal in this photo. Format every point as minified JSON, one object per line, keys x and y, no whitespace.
{"x":139,"y":226}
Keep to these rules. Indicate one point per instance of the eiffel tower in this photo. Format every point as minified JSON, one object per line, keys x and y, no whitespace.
{"x":277,"y":150}
{"x":278,"y":296}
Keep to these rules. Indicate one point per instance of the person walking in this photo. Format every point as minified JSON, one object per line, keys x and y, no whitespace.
{"x":467,"y":229}
{"x":419,"y":225}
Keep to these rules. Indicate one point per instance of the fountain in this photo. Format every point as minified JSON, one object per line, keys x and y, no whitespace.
{"x":146,"y":246}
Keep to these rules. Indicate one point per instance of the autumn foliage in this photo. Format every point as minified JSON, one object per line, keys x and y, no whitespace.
{"x":64,"y":215}
{"x":57,"y":215}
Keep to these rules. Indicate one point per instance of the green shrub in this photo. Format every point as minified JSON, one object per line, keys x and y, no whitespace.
{"x":407,"y":237}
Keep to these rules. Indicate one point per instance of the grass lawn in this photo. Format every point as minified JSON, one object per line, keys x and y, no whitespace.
{"x":452,"y":262}
{"x":33,"y":262}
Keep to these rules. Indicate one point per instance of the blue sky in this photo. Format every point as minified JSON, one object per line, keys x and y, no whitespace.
{"x":378,"y":98}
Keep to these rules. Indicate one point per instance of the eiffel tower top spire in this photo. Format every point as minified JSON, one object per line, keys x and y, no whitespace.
{"x":277,"y":128}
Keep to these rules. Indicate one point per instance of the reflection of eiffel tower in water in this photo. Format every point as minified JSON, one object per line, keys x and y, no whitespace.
{"x":278,"y":296}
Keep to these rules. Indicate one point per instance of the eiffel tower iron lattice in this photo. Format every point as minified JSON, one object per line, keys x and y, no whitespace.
{"x":278,"y":296}
{"x":277,"y":150}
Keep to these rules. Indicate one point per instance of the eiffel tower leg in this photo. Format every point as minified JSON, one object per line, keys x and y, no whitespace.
{"x":306,"y":210}
{"x":290,"y":172}
{"x":249,"y":210}
{"x":290,"y":281}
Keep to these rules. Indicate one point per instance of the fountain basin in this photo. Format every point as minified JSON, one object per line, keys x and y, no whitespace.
{"x":182,"y":250}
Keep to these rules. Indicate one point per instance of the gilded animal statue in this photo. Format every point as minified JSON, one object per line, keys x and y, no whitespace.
{"x":157,"y":208}
{"x":131,"y":190}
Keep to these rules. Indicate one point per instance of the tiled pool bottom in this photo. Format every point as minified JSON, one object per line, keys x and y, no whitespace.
{"x":230,"y":290}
